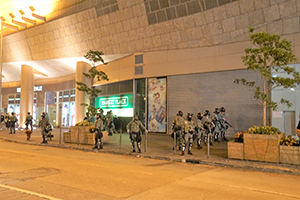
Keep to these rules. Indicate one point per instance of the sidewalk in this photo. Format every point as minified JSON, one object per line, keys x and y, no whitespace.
{"x":159,"y":146}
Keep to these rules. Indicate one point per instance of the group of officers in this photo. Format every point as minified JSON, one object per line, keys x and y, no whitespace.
{"x":134,"y":129}
{"x":184,"y":132}
{"x":108,"y":121}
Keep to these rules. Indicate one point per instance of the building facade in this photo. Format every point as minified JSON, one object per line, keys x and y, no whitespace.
{"x":179,"y":54}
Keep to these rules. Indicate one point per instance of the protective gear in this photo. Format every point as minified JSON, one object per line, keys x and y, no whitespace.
{"x":43,"y":115}
{"x":222,"y":109}
{"x":189,"y":116}
{"x":44,"y":123}
{"x":180,"y":113}
{"x":189,"y":129}
{"x":136,"y":117}
{"x":178,"y":129}
{"x":206,"y":113}
{"x":98,"y":132}
{"x":134,"y":127}
{"x":217,"y":111}
{"x":199,"y":116}
{"x":28,"y":113}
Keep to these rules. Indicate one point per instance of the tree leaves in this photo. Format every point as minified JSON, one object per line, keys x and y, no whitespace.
{"x":91,"y":92}
{"x":270,"y":54}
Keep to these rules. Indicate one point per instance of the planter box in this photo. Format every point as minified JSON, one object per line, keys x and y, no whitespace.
{"x":290,"y":155}
{"x":82,"y":135}
{"x":235,"y":150}
{"x":262,"y":147}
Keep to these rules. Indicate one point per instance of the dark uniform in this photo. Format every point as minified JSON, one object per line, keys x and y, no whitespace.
{"x":199,"y":130}
{"x":208,"y":126}
{"x":189,"y":131}
{"x":98,"y":132}
{"x":28,"y":122}
{"x":43,"y":124}
{"x":178,"y":129}
{"x":12,"y":121}
{"x":134,"y":129}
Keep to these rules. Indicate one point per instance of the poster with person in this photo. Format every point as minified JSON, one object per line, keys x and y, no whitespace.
{"x":157,"y":104}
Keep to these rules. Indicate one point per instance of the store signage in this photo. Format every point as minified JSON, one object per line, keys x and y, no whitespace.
{"x":120,"y":105}
{"x":35,"y":89}
{"x":116,"y":101}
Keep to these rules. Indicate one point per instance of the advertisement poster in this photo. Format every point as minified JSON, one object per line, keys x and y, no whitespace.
{"x":65,"y":114}
{"x":10,"y":109}
{"x":72,"y":118}
{"x":157,"y":104}
{"x":17,"y":110}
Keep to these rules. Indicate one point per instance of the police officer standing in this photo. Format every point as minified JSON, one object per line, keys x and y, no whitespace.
{"x":224,"y":124}
{"x":199,"y":130}
{"x":217,"y":121}
{"x":134,"y":129}
{"x":189,"y":129}
{"x":110,"y":123}
{"x":29,"y":121}
{"x":98,"y":132}
{"x":178,"y":129}
{"x":208,"y":126}
{"x":43,"y":123}
{"x":12,"y":120}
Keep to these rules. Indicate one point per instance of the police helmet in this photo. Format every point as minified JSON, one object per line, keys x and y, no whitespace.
{"x":135,"y":117}
{"x":207,"y":113}
{"x":98,"y":115}
{"x":189,"y":116}
{"x":28,"y":113}
{"x":222,"y":109}
{"x":43,"y":114}
{"x":180,"y":113}
{"x":199,"y":116}
{"x":217,"y":111}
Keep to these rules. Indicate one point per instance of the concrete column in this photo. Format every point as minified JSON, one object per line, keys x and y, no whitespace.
{"x":80,"y":97}
{"x":27,"y":90}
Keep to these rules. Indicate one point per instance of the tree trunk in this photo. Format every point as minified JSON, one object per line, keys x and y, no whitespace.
{"x":264,"y":105}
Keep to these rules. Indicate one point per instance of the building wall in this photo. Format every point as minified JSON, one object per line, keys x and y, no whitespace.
{"x":196,"y":93}
{"x":129,"y":30}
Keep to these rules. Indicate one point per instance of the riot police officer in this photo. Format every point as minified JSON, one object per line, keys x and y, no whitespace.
{"x":134,"y":129}
{"x":199,"y":130}
{"x":28,"y":121}
{"x":178,"y":129}
{"x":189,"y":131}
{"x":43,"y":124}
{"x":224,"y":124}
{"x":98,"y":132}
{"x":110,"y":123}
{"x":217,"y":121}
{"x":208,"y":125}
{"x":12,"y":120}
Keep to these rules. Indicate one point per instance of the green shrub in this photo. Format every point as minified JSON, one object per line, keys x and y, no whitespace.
{"x":266,"y":130}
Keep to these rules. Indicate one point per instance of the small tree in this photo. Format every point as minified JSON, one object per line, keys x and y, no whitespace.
{"x":271,"y":54}
{"x":91,"y":92}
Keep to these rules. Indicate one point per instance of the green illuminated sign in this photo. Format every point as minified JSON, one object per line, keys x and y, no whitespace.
{"x":115,"y":101}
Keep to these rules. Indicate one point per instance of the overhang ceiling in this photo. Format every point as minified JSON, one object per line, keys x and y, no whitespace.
{"x":50,"y":68}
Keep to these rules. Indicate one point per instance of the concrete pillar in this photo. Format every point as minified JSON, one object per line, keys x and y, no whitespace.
{"x":27,"y":90}
{"x":80,"y":97}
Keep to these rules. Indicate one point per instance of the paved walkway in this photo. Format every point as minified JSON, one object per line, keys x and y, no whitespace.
{"x":158,"y":146}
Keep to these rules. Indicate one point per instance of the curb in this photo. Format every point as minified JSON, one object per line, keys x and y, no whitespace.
{"x":262,"y":168}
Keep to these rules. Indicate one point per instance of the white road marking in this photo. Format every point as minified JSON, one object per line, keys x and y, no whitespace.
{"x":28,"y":192}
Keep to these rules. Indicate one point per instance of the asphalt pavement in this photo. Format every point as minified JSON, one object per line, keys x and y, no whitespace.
{"x":156,"y":146}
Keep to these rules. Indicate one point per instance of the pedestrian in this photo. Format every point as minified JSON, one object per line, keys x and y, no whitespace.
{"x":178,"y":129}
{"x":189,"y":131}
{"x":43,"y":123}
{"x":2,"y":120}
{"x":134,"y":129}
{"x":98,"y":127}
{"x":110,"y":123}
{"x":28,"y":121}
{"x":12,"y":120}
